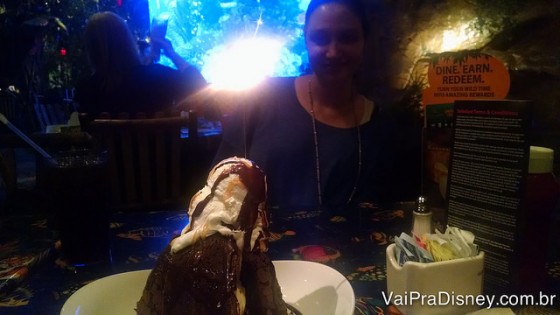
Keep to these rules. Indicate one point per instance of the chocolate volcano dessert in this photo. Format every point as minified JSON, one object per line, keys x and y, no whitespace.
{"x":218,"y":265}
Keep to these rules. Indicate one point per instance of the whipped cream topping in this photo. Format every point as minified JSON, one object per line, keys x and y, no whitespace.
{"x":231,"y":203}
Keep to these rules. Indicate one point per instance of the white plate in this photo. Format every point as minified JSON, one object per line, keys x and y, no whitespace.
{"x":312,"y":288}
{"x":112,"y":295}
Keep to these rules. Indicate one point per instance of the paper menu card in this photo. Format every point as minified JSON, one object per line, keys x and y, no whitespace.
{"x":488,"y":164}
{"x":452,"y":76}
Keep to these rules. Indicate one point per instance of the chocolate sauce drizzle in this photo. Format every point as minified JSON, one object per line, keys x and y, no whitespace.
{"x":254,"y":180}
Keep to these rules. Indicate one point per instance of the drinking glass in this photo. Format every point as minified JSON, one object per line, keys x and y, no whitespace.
{"x":76,"y":185}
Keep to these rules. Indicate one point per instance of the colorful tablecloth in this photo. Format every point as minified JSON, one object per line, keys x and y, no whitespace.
{"x":351,"y":241}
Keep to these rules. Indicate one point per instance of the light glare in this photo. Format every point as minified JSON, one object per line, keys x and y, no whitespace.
{"x":461,"y":37}
{"x":242,"y":64}
{"x":453,"y":39}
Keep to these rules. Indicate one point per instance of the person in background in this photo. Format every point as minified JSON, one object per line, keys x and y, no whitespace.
{"x":122,"y":79}
{"x":320,"y":141}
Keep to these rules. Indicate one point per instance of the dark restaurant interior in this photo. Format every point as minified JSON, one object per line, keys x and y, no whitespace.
{"x":155,"y":163}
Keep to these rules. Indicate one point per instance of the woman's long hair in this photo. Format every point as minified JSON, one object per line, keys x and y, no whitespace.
{"x":111,"y":48}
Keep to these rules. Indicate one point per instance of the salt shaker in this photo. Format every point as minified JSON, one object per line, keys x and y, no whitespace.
{"x":421,"y":218}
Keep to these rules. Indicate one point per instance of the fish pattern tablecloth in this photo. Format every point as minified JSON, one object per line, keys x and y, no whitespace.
{"x":34,"y":280}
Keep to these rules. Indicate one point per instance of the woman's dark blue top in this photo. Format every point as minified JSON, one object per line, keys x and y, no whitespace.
{"x":277,"y":133}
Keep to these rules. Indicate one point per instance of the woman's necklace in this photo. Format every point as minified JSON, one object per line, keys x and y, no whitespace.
{"x":316,"y":142}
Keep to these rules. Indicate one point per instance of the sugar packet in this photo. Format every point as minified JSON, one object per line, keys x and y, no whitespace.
{"x":452,"y":244}
{"x":410,"y":250}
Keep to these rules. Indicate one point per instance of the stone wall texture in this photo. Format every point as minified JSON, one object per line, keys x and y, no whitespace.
{"x":525,"y":35}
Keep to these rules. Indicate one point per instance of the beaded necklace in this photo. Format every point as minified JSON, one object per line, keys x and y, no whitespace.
{"x":316,"y":142}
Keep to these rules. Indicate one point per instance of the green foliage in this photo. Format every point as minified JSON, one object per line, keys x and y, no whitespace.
{"x":201,"y":25}
{"x":65,"y":29}
{"x":410,"y":103}
{"x":457,"y":56}
{"x":497,"y":15}
{"x":64,"y":71}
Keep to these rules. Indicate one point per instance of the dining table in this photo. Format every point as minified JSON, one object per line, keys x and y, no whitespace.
{"x":34,"y":279}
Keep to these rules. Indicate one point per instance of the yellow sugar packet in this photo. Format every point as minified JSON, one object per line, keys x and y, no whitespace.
{"x":440,"y":248}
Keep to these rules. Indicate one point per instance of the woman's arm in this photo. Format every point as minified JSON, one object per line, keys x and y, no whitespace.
{"x":170,"y":52}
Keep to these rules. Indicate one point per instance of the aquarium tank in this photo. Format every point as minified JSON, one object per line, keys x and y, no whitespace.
{"x":236,"y":40}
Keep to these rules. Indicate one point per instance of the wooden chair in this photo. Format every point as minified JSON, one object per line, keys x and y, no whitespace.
{"x":146,"y":162}
{"x":53,"y":111}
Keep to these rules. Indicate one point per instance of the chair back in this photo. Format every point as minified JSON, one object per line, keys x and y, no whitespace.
{"x":145,"y":161}
{"x":52,"y":111}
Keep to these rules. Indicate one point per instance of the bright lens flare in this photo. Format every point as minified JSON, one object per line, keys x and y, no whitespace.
{"x":458,"y":38}
{"x":242,"y":64}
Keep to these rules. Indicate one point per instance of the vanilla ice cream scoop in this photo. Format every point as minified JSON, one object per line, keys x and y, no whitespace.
{"x":232,"y":203}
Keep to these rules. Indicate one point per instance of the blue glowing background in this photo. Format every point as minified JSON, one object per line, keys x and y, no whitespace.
{"x":199,"y":28}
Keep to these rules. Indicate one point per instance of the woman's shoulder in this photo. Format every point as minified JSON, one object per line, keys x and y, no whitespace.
{"x":274,"y":89}
{"x":273,"y":84}
{"x":280,"y":81}
{"x":272,"y":97}
{"x":379,"y":118}
{"x":154,"y":70}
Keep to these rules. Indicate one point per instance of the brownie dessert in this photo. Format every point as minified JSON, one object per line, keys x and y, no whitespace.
{"x":218,"y":265}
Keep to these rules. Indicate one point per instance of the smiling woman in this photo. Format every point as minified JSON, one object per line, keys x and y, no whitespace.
{"x":320,"y":141}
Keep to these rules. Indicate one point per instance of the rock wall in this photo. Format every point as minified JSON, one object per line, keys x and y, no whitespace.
{"x":527,"y":40}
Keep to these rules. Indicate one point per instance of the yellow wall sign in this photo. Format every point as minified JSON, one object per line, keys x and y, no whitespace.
{"x":470,"y":76}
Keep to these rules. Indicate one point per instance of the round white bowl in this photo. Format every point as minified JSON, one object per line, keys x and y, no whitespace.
{"x":310,"y":287}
